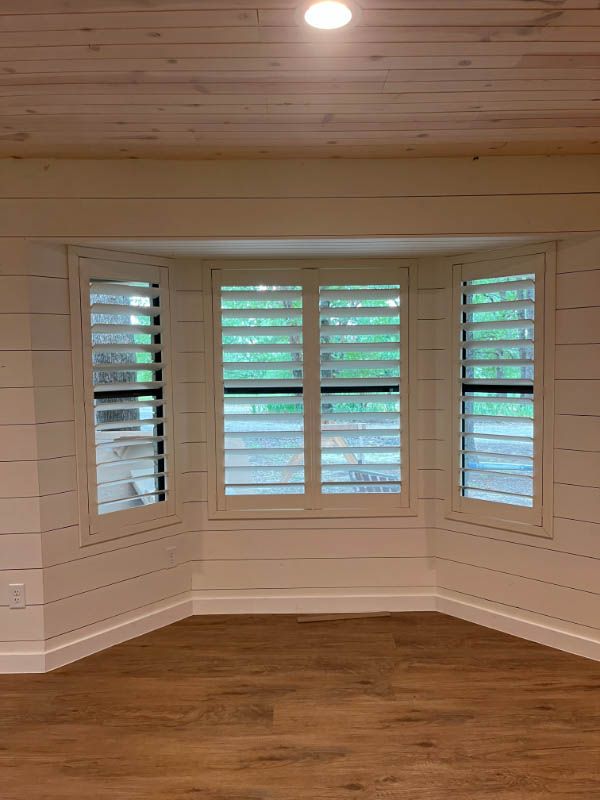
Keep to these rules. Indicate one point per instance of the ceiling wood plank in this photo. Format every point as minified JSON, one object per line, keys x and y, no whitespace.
{"x":226,"y":78}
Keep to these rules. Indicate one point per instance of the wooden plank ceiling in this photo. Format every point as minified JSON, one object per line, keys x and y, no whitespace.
{"x":237,"y":78}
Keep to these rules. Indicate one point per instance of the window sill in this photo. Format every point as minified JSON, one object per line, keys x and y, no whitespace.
{"x":123,"y":531}
{"x":525,"y":528}
{"x":332,"y":513}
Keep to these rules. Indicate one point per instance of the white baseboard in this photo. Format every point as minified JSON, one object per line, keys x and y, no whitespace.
{"x":552,"y":633}
{"x":79,"y":644}
{"x":323,"y":601}
{"x":21,"y":661}
{"x":32,"y":658}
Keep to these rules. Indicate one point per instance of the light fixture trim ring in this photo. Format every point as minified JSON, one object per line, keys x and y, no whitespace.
{"x":353,"y":7}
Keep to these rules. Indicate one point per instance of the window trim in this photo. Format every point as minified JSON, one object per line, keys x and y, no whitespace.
{"x":94,"y":527}
{"x":537,"y":521}
{"x":248,"y":269}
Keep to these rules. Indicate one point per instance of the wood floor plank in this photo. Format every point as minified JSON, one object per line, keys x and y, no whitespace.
{"x":262,"y":708}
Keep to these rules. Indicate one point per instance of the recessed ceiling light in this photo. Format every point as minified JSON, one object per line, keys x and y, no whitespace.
{"x":328,"y":14}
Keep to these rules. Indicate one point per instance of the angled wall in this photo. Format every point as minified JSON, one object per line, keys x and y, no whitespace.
{"x":544,"y":589}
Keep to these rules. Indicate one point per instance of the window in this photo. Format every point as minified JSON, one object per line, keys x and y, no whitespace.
{"x":499,"y":309}
{"x":309,"y":402}
{"x":126,"y":416}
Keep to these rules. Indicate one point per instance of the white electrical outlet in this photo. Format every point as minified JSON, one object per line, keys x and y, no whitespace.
{"x":16,"y":595}
{"x":171,"y":556}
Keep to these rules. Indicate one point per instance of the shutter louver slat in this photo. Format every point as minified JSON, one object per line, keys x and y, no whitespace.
{"x":497,"y":400}
{"x":263,"y":382}
{"x":360,"y":389}
{"x":127,"y":369}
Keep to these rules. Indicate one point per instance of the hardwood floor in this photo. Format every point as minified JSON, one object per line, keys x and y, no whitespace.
{"x":263,"y":708}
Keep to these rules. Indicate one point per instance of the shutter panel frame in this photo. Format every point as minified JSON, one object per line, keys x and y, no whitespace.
{"x":499,"y":510}
{"x":310,"y":274}
{"x":106,"y":269}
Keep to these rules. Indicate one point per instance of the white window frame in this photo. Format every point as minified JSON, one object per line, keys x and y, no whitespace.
{"x":402,"y":504}
{"x":84,"y":264}
{"x":538,"y":520}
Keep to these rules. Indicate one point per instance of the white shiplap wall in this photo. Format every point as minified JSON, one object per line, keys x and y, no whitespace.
{"x":552,"y":583}
{"x":244,"y":563}
{"x":89,"y":592}
{"x":72,"y":592}
{"x":21,"y":631}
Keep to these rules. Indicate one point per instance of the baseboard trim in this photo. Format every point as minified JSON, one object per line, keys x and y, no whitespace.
{"x":23,"y":661}
{"x":318,"y":602}
{"x":80,"y":644}
{"x":517,"y":624}
{"x":30,"y":659}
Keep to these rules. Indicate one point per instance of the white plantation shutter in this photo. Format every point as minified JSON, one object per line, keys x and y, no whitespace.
{"x":127,"y":378}
{"x":308,"y":394}
{"x":261,"y":370}
{"x":127,"y":411}
{"x":499,"y":386}
{"x":360,"y":388}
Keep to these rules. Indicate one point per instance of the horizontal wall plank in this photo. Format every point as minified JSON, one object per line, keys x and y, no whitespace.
{"x":62,"y":545}
{"x":433,"y":303}
{"x":310,"y":178}
{"x":20,"y":550}
{"x":432,"y":394}
{"x":58,"y":510}
{"x":578,"y":361}
{"x":190,"y":397}
{"x":187,"y":275}
{"x":57,"y":475}
{"x":431,"y":425}
{"x":18,"y":442}
{"x":16,"y":369}
{"x":188,"y":306}
{"x":48,"y":295}
{"x":555,"y":602}
{"x":47,"y":259}
{"x":54,"y":404}
{"x":21,"y":624}
{"x":371,"y":216}
{"x":312,"y":573}
{"x":80,"y":611}
{"x":19,"y":479}
{"x":577,"y":502}
{"x":50,"y":332}
{"x":13,"y":256}
{"x":37,"y":295}
{"x":241,"y":544}
{"x":432,"y":334}
{"x":190,"y":367}
{"x":193,"y":457}
{"x":578,"y":326}
{"x":53,"y":368}
{"x":17,"y":406}
{"x":577,"y":468}
{"x":577,"y":254}
{"x":578,"y":397}
{"x":577,"y":537}
{"x":189,"y":337}
{"x":194,"y":486}
{"x":87,"y":574}
{"x":578,"y":289}
{"x":190,"y":427}
{"x":20,"y":515}
{"x":562,"y":569}
{"x":577,"y":433}
{"x":432,"y":364}
{"x":15,"y":331}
